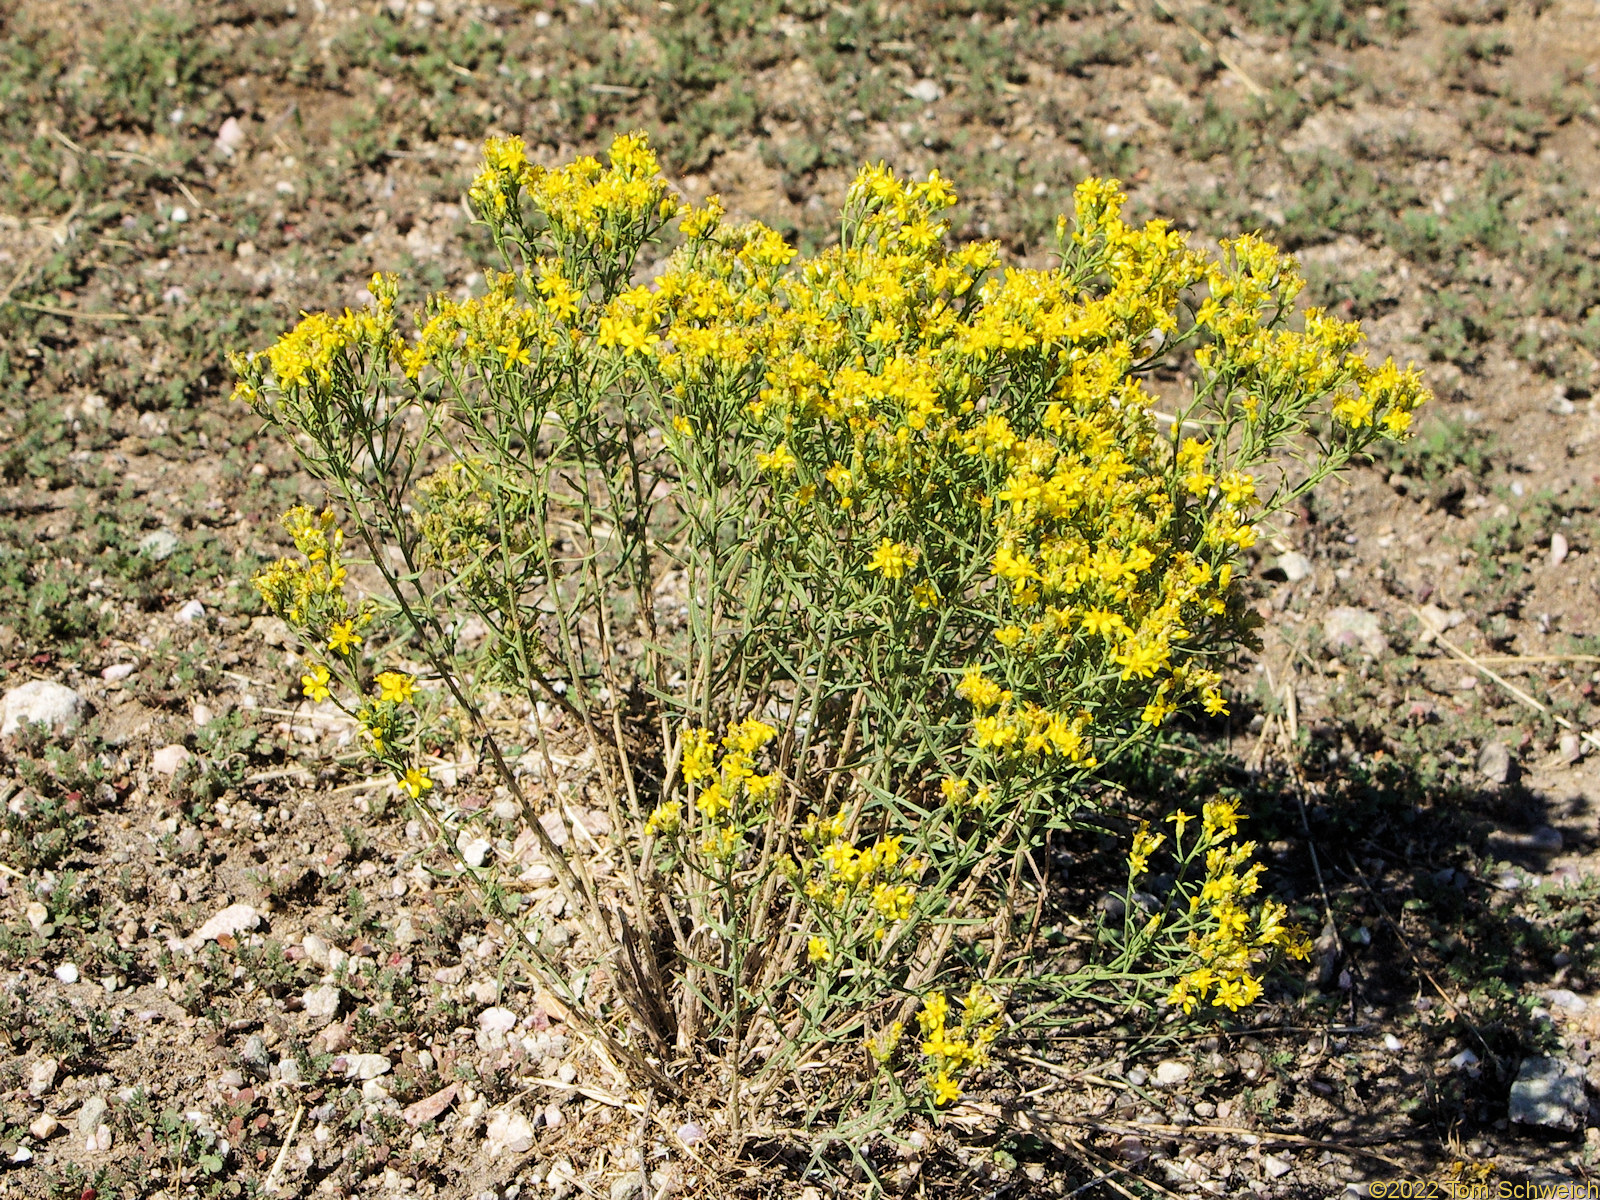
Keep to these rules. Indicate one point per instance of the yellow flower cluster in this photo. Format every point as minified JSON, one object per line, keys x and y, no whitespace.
{"x":1267,"y":367}
{"x":724,"y":787}
{"x":951,"y":1052}
{"x":897,"y":386}
{"x":837,"y":873}
{"x":324,"y":348}
{"x":1228,"y":944}
{"x":599,"y":207}
{"x":308,"y":593}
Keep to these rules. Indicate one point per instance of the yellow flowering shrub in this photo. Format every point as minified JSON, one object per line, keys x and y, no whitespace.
{"x":853,"y":569}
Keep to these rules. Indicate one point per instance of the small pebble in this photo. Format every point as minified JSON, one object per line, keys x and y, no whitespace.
{"x":42,"y":1076}
{"x":474,"y":850}
{"x":321,"y":1003}
{"x":366,"y":1066}
{"x":67,"y":973}
{"x":1170,"y":1073}
{"x":1392,"y":1044}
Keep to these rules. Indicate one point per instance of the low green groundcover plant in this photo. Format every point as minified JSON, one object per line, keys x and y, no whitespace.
{"x":851,"y":571}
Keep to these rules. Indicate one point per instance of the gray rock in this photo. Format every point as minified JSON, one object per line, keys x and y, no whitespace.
{"x":508,"y":1132}
{"x":626,"y":1187}
{"x":474,"y":850}
{"x":1549,"y":1092}
{"x":925,"y":90}
{"x":1355,"y":627}
{"x":254,"y":1051}
{"x":1171,"y":1073}
{"x":41,"y":702}
{"x":322,"y":1003}
{"x":1494,"y":762}
{"x":288,"y":1069}
{"x":1546,"y":839}
{"x":168,"y":759}
{"x":1566,"y":999}
{"x":230,"y":922}
{"x":92,"y":1115}
{"x":366,"y":1066}
{"x":43,"y":1076}
{"x":158,"y":545}
{"x":1295,"y":566}
{"x":1436,"y":620}
{"x":316,"y":949}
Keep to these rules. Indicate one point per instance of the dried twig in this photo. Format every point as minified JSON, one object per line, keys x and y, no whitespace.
{"x":1233,"y":67}
{"x":1477,"y":664}
{"x":74,"y":314}
{"x":1037,"y":1121}
{"x":1405,"y":944}
{"x":271,"y":1185}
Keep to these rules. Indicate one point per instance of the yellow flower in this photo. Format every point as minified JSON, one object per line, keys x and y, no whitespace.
{"x":1099,"y":622}
{"x":665,"y":818}
{"x":396,"y":686}
{"x":712,"y":802}
{"x":945,"y":1090}
{"x":749,"y":735}
{"x":817,"y":950}
{"x":1145,"y":844}
{"x":698,"y":755}
{"x":315,"y":683}
{"x":893,"y":559}
{"x":416,"y":781}
{"x":1220,"y":817}
{"x":981,"y":692}
{"x":780,"y":459}
{"x":516,"y":353}
{"x":721,"y":844}
{"x":343,"y":638}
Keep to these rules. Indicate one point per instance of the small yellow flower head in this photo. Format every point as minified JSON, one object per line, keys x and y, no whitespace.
{"x":944,"y":1089}
{"x":817,"y":950}
{"x":396,"y":686}
{"x":699,"y":755}
{"x":343,"y":638}
{"x":415,"y":782}
{"x":780,"y":459}
{"x":749,"y":735}
{"x":315,"y":683}
{"x":713,"y":802}
{"x":1145,"y":844}
{"x":892,"y":559}
{"x":978,"y":690}
{"x":1220,"y":818}
{"x":721,"y":844}
{"x":665,"y":819}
